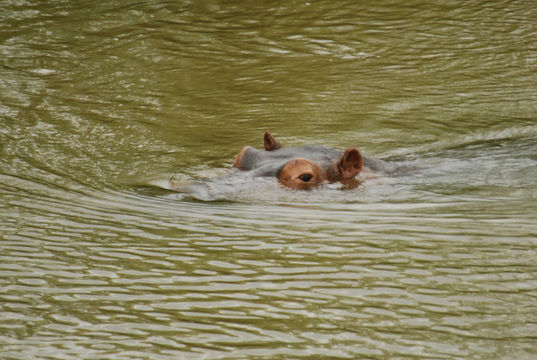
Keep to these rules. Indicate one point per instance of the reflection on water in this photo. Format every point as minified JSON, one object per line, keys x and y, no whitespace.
{"x":436,"y":262}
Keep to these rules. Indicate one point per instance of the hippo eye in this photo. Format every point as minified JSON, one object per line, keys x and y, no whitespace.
{"x":305,"y":177}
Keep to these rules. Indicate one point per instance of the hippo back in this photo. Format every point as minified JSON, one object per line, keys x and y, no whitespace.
{"x":268,"y":163}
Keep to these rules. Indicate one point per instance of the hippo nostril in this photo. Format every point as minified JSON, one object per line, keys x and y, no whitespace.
{"x":305,"y":177}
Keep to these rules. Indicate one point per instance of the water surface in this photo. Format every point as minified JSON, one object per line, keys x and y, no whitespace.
{"x":100,"y":100}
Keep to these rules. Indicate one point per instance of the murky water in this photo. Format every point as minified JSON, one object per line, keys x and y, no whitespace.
{"x":99,"y":100}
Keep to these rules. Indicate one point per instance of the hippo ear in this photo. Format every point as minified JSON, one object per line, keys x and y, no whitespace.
{"x":351,"y":163}
{"x":269,"y":142}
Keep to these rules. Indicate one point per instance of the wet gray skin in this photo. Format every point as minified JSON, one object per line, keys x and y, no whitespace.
{"x":268,"y":163}
{"x":257,"y":163}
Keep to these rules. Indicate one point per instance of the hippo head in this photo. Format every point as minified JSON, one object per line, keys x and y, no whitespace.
{"x":303,"y":167}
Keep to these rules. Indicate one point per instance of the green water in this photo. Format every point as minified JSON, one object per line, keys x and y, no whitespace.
{"x":100,"y":100}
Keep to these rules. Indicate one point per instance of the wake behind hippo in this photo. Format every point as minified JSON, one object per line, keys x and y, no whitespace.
{"x":305,"y":167}
{"x":300,"y":168}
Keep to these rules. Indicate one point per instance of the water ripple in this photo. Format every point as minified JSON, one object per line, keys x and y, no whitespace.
{"x":436,"y":262}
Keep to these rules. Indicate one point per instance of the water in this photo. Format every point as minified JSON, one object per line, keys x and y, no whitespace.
{"x":99,"y":101}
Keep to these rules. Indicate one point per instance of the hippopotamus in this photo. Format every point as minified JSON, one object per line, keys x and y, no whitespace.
{"x":300,"y":168}
{"x":306,"y":167}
